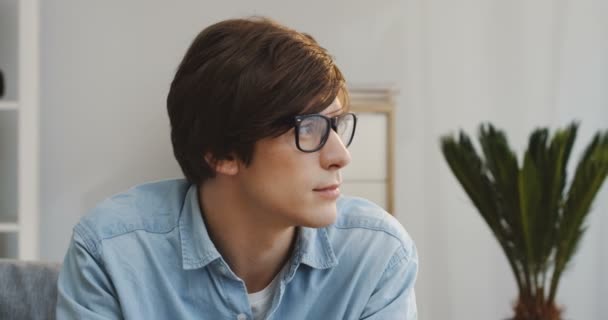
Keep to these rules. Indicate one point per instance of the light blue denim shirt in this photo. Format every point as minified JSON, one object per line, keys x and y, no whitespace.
{"x":146,"y":254}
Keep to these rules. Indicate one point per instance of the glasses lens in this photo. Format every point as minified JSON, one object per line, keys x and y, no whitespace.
{"x":311,"y":132}
{"x":346,"y":128}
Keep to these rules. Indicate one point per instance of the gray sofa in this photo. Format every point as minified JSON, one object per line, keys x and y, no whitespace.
{"x":28,"y":290}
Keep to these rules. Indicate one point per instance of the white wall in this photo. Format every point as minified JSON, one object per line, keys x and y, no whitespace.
{"x":106,"y":68}
{"x":519,"y":64}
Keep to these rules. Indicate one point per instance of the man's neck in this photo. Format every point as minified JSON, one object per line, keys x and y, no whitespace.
{"x":254,"y":248}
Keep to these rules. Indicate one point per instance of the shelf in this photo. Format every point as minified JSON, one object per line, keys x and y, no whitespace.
{"x":8,"y":224}
{"x":8,"y":227}
{"x":8,"y":105}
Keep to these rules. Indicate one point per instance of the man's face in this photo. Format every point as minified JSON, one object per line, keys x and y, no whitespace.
{"x":289,"y":187}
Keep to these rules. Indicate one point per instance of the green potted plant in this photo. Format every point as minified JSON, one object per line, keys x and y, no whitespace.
{"x":537,"y":219}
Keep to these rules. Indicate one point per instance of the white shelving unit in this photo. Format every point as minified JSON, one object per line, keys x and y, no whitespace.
{"x":19,"y":168}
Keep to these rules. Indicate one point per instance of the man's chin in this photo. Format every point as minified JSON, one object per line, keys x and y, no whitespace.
{"x":323,"y":218}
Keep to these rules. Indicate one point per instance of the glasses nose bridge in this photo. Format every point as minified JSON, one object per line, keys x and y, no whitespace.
{"x":333,"y":123}
{"x":334,"y":152}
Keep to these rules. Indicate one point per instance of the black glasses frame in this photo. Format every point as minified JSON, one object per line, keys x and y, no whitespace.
{"x":332,"y":123}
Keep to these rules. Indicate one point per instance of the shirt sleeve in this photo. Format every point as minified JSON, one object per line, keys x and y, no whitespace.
{"x":84,"y":289}
{"x":394,"y":296}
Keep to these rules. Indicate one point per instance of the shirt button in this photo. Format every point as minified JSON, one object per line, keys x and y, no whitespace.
{"x":241,"y":316}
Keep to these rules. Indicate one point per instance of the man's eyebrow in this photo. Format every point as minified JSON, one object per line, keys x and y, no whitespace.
{"x":336,"y":112}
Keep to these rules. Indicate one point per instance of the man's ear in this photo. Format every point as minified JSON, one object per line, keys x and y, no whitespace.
{"x":228,"y":166}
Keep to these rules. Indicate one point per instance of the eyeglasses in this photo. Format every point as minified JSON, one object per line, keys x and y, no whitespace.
{"x":312,"y":130}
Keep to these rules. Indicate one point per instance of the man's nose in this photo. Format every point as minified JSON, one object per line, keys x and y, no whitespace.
{"x":334,"y":154}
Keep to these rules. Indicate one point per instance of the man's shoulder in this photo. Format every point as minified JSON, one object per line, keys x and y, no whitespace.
{"x":356,"y":213}
{"x":152,"y":207}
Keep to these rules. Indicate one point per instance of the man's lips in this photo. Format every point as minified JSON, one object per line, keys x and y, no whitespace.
{"x":329,"y":192}
{"x":328,"y":188}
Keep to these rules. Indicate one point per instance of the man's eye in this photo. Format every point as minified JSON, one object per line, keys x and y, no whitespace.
{"x":306,"y":129}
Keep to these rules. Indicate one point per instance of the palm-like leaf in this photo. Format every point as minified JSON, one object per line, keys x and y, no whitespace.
{"x":536,"y":222}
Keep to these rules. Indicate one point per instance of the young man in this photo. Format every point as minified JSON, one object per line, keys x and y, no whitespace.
{"x":257,"y":230}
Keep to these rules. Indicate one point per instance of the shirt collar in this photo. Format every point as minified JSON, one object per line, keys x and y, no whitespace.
{"x":312,"y":248}
{"x":197,"y":248}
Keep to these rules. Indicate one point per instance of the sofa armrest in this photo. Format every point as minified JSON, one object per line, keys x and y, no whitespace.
{"x":28,"y":289}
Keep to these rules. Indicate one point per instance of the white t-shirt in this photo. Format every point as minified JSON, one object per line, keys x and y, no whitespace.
{"x":261,"y":301}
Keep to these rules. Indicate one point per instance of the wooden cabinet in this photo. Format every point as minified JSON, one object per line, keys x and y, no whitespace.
{"x":370,"y":173}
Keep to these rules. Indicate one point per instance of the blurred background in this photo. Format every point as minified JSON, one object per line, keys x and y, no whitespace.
{"x":105,"y":69}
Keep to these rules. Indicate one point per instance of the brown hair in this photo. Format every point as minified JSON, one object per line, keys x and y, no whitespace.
{"x":237,"y":83}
